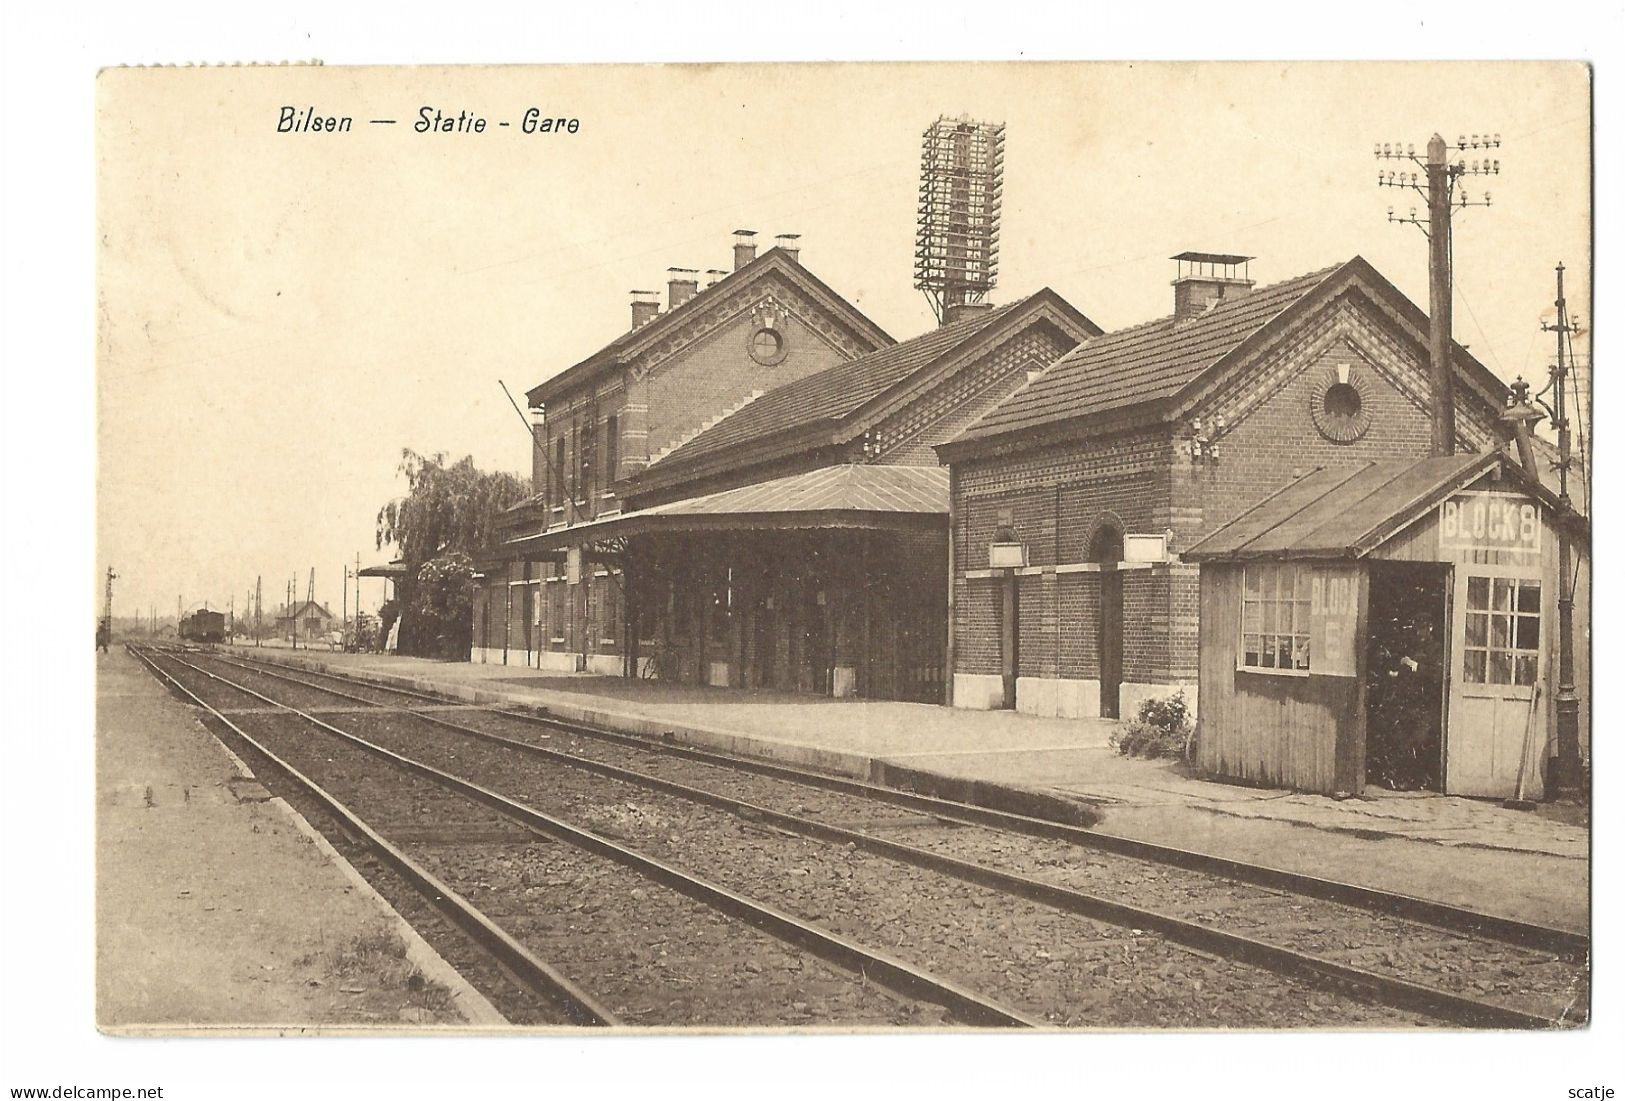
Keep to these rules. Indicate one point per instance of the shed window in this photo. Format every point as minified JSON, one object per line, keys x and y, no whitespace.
{"x":1502,"y":644}
{"x":1275,"y":617}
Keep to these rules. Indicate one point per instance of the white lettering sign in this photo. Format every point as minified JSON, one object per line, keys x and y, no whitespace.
{"x":1489,"y":521}
{"x":1334,"y":609}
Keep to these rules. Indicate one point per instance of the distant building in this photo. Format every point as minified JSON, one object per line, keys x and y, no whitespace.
{"x":307,"y":622}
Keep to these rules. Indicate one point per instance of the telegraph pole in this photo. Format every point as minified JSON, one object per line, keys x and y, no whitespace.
{"x":259,"y":607}
{"x":107,"y":604}
{"x":1568,"y":703}
{"x":1442,"y":197}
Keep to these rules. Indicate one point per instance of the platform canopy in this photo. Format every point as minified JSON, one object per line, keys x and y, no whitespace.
{"x":897,"y":498}
{"x":394,"y":570}
{"x":1349,"y":511}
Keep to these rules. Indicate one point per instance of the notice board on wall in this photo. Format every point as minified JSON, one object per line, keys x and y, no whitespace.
{"x":1334,"y":608}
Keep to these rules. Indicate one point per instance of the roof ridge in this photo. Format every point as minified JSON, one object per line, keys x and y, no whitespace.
{"x":703,"y":294}
{"x":1226,"y":305}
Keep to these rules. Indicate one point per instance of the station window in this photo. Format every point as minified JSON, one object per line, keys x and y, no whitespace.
{"x":558,"y":471}
{"x":1275,"y":617}
{"x":1502,"y":644}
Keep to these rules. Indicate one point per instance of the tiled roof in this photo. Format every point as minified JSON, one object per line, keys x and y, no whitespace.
{"x":1144,"y":363}
{"x":1347,"y":511}
{"x":834,"y":392}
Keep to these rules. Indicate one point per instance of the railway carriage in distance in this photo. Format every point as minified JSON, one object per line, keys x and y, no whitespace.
{"x":204,"y":626}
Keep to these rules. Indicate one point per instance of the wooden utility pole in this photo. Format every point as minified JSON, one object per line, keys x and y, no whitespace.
{"x":1441,"y":176}
{"x":1439,"y":295}
{"x":107,"y":604}
{"x":259,"y":608}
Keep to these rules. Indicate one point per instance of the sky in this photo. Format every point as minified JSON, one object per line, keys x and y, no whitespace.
{"x":280,"y":314}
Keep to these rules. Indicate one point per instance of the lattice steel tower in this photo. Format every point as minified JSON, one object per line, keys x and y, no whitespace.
{"x":956,"y":247}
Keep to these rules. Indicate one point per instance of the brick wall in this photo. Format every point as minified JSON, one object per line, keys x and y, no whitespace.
{"x":1146,"y":481}
{"x":713,"y":376}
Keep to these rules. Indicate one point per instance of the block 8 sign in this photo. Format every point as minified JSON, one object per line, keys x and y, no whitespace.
{"x":1489,"y":521}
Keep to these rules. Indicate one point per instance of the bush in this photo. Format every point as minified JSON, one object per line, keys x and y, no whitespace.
{"x":1162,"y":729}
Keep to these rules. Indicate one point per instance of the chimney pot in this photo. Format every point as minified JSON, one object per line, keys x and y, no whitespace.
{"x":1205,"y":279}
{"x":744,"y":247}
{"x":790,"y":245}
{"x":645,"y":306}
{"x":961,"y":311}
{"x":681,"y":285}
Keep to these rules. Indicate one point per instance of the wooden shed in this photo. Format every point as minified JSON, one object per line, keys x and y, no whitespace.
{"x":1393,"y":623}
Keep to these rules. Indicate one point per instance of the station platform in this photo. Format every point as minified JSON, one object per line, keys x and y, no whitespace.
{"x":1529,"y":865}
{"x":218,"y":908}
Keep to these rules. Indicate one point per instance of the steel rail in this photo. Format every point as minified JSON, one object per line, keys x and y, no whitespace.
{"x":518,"y":961}
{"x":1387,"y":989}
{"x":894,"y":974}
{"x":1452,"y":918}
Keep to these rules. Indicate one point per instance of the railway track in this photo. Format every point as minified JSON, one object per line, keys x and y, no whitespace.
{"x":1562,"y":942}
{"x":705,"y":930}
{"x":1333,"y":945}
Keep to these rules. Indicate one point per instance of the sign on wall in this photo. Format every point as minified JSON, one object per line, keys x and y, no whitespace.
{"x":1145,"y":548}
{"x":1489,"y":521}
{"x":1334,"y":607}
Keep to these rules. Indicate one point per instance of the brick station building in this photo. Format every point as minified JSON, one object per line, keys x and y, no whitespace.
{"x":602,"y":420}
{"x":795,"y":538}
{"x":1138,"y":444}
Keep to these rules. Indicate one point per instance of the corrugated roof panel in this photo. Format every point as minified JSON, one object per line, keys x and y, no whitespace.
{"x":1339,"y":511}
{"x":828,"y":489}
{"x":1389,"y":502}
{"x":1287,"y":501}
{"x":1344,"y":505}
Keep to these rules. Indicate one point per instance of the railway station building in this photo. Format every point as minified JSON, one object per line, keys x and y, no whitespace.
{"x":675,"y":370}
{"x":799,"y":540}
{"x":1074,"y":499}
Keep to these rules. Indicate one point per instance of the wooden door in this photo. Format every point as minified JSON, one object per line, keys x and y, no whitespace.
{"x":1111,"y":640}
{"x":1498,"y":681}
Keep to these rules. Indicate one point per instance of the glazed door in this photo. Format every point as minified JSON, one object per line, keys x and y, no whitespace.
{"x":1111,"y":640}
{"x":1498,"y":682}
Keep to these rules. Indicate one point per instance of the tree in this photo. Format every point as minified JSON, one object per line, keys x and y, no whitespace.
{"x":448,"y":513}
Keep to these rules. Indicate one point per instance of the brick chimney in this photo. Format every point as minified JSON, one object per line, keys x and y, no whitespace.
{"x":964,"y":311}
{"x":713,"y":276}
{"x":1204,"y":279}
{"x":744,"y":247}
{"x":790,"y":245}
{"x":681,"y":285}
{"x":645,"y":306}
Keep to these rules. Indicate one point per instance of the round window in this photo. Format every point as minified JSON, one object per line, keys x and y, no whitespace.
{"x":1342,"y":400}
{"x":1340,"y":406}
{"x":767,"y":346}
